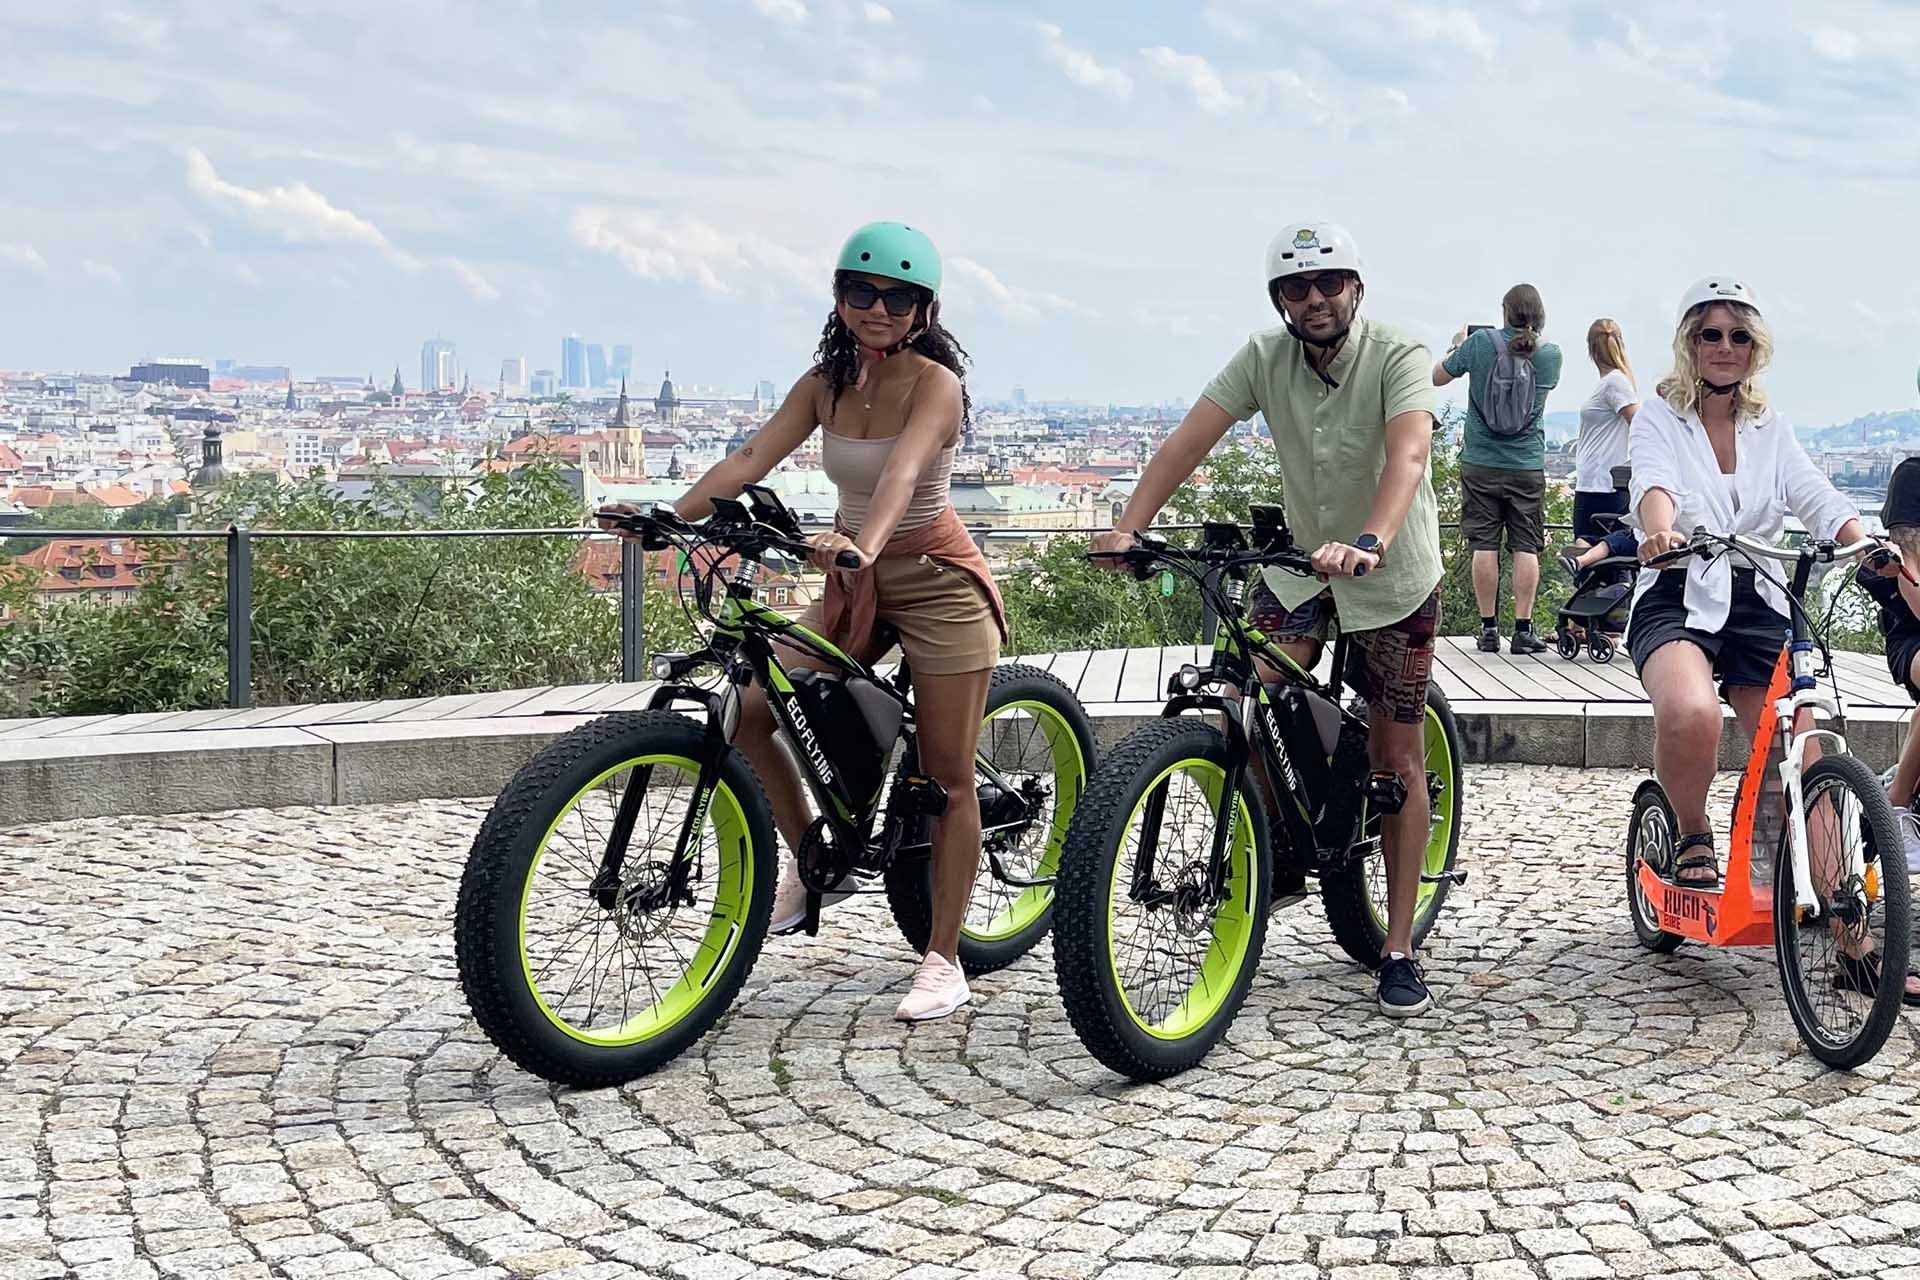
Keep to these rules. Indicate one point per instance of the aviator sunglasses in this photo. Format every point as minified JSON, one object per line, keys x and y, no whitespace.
{"x":860,"y":295}
{"x":1329,"y":283}
{"x":1711,"y":337}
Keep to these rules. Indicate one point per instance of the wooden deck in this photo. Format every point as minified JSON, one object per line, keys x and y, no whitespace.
{"x":1112,"y":681}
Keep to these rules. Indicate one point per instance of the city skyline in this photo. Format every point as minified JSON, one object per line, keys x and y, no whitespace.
{"x":1102,"y":180}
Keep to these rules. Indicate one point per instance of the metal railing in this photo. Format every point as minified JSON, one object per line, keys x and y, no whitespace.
{"x":239,"y":542}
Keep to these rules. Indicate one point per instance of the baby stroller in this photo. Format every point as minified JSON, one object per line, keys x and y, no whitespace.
{"x":1601,"y":597}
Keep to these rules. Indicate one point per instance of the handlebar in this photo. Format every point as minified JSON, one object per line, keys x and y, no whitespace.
{"x":1149,"y":550}
{"x":1824,"y":550}
{"x":662,"y":527}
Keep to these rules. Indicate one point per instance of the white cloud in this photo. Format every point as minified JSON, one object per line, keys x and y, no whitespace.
{"x":1836,"y":43}
{"x":1081,"y":67}
{"x":656,"y":247}
{"x":783,"y":10}
{"x":1014,"y":302}
{"x":857,"y":92}
{"x":877,"y":13}
{"x":296,"y":214}
{"x":99,"y":271}
{"x":477,"y":285}
{"x":24,"y":256}
{"x":1197,"y":75}
{"x":1457,"y":27}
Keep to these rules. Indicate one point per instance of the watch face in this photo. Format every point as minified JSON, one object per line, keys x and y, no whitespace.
{"x":1367,"y":542}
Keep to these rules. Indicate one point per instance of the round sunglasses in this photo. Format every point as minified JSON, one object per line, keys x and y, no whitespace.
{"x":861,"y":294}
{"x":1330,"y":284}
{"x":1711,"y":336}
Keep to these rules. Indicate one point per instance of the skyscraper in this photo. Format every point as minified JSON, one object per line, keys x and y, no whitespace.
{"x":437,"y":366}
{"x":596,"y":365}
{"x":573,"y":362}
{"x":622,"y":366}
{"x":513,"y":373}
{"x":543,"y":384}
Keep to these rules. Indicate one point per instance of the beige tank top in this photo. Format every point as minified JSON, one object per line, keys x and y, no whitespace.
{"x":855,"y":467}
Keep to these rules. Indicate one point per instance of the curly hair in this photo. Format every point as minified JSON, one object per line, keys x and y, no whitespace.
{"x":837,"y":358}
{"x":1681,"y":387}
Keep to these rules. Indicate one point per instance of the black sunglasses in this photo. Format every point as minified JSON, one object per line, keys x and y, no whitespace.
{"x":1712,"y":336}
{"x":1330,"y":284}
{"x":860,"y":295}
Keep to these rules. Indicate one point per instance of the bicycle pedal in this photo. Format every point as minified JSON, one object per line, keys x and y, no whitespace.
{"x":1444,"y":877}
{"x":1385,"y":792}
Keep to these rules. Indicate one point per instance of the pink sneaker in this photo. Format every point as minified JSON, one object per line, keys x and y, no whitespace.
{"x":790,"y":900}
{"x":939,"y":987}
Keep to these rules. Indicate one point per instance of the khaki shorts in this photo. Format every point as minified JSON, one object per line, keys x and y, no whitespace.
{"x":939,"y":614}
{"x":1495,"y":498}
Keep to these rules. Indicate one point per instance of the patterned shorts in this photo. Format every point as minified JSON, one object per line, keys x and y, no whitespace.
{"x":1390,"y":666}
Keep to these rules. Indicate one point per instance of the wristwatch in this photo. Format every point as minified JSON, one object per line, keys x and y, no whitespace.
{"x":1370,"y":543}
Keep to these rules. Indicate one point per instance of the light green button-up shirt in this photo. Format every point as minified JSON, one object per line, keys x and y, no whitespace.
{"x":1332,"y":446}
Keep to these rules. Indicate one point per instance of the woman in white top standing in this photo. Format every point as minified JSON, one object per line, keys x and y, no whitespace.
{"x":1710,"y":451}
{"x":1602,"y":443}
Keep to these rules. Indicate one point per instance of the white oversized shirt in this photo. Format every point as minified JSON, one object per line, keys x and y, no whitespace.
{"x":1772,"y":476}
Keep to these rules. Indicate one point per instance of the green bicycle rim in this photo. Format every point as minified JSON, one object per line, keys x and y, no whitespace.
{"x":726,"y":927}
{"x":1440,"y":832}
{"x":1069,"y":779}
{"x":1232,"y":921}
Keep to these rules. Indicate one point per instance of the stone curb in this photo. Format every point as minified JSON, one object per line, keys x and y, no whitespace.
{"x":74,"y":775}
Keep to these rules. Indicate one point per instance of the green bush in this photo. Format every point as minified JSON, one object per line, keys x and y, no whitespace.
{"x":341,"y":620}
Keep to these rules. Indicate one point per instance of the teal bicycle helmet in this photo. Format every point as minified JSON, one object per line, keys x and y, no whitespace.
{"x":894,"y":250}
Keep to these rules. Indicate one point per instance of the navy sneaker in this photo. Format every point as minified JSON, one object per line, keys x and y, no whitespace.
{"x":1403,"y":991}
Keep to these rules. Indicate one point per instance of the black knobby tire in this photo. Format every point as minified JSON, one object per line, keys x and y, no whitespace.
{"x":1084,"y":944}
{"x":1004,"y":923}
{"x":496,"y":961}
{"x":1652,"y":833}
{"x":1355,"y":897}
{"x":1808,"y":994}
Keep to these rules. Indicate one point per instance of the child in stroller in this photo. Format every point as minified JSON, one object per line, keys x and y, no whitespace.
{"x":1595,"y":616}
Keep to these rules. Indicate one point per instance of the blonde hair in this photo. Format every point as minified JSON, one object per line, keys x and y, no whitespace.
{"x":1607,"y":347}
{"x":1681,"y":387}
{"x":1522,"y":309}
{"x":1907,"y":538}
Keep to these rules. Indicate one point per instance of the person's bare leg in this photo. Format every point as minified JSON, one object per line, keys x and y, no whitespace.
{"x":1526,"y":583}
{"x":1486,"y":582}
{"x":1401,"y":748}
{"x":1686,"y":741}
{"x":778,"y":774}
{"x":949,"y":709}
{"x":1906,"y":772}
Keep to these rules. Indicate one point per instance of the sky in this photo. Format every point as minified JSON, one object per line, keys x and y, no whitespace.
{"x":328,"y":183}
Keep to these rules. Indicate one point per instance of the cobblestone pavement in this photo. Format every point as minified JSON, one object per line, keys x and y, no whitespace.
{"x":233,"y":1045}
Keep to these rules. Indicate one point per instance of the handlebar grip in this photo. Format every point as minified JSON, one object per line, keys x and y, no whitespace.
{"x":1359,"y":571}
{"x":847,"y":560}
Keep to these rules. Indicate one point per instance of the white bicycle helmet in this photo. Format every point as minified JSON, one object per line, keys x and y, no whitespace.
{"x":1715,"y":289}
{"x":1311,"y":246}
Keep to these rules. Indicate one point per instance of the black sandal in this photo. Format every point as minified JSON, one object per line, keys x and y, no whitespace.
{"x":1861,"y":975}
{"x":1695,"y":853}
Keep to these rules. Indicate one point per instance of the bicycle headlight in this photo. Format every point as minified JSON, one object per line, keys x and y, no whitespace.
{"x":1189,"y":676}
{"x":662,"y":667}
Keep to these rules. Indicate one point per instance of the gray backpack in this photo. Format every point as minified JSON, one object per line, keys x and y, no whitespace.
{"x":1507,"y":404}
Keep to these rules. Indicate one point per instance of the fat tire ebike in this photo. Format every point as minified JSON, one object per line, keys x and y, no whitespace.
{"x":620,"y":889}
{"x":1173,"y":862}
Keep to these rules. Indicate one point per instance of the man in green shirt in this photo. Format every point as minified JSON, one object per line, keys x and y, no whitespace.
{"x":1350,"y":406}
{"x":1503,"y":477}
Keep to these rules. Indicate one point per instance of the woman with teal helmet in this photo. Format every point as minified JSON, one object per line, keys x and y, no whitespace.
{"x":887,"y":391}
